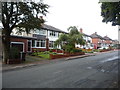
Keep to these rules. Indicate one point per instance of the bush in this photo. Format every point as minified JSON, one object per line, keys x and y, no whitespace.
{"x":50,"y":50}
{"x":76,"y":50}
{"x":68,"y":48}
{"x":104,"y":48}
{"x":54,"y":53}
{"x":95,"y":50}
{"x":14,"y":53}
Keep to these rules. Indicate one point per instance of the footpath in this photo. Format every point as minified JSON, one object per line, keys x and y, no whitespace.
{"x":42,"y":62}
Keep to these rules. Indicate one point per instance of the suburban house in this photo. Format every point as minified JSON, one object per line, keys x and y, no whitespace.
{"x":97,"y":40}
{"x":102,"y":42}
{"x":88,"y":40}
{"x":107,"y":41}
{"x":41,"y":40}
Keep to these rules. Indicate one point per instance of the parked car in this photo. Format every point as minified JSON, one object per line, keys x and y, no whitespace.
{"x":104,"y":48}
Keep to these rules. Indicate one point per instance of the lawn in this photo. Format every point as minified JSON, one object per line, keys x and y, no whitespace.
{"x":46,"y":56}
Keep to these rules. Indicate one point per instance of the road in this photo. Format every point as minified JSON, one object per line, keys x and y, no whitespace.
{"x":99,"y":71}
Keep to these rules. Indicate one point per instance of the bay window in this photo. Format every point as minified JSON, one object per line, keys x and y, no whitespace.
{"x":38,"y":43}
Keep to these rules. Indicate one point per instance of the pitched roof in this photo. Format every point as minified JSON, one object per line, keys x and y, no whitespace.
{"x":107,"y":38}
{"x":95,"y":35}
{"x":48,"y":27}
{"x":86,"y":35}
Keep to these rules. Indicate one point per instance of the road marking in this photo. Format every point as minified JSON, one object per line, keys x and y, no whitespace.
{"x":102,"y":70}
{"x":110,"y":59}
{"x":89,"y":67}
{"x":57,"y":72}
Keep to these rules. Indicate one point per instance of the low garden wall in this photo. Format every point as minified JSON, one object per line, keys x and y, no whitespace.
{"x":65,"y":55}
{"x":88,"y":50}
{"x":104,"y":50}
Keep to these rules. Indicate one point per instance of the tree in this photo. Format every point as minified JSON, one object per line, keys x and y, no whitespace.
{"x":68,"y":41}
{"x":110,"y":11}
{"x":20,"y":15}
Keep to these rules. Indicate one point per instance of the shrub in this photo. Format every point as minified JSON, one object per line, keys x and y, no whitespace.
{"x":76,"y":50}
{"x":54,"y":53}
{"x":104,"y":48}
{"x":68,"y":48}
{"x":50,"y":50}
{"x":95,"y":50}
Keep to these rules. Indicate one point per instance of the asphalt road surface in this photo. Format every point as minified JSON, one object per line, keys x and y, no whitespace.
{"x":99,"y":71}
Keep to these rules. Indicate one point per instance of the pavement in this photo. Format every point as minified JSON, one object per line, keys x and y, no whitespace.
{"x":24,"y":65}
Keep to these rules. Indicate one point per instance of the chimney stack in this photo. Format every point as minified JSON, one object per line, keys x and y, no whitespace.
{"x":81,"y":30}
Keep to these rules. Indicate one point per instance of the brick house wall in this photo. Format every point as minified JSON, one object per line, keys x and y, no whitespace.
{"x":96,"y":41}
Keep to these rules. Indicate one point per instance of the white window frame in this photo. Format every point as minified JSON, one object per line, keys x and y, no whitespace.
{"x":18,"y":43}
{"x":39,"y":42}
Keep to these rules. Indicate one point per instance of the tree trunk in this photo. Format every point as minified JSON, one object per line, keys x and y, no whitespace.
{"x":6,"y":45}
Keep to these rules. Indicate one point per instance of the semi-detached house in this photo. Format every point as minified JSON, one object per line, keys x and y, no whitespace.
{"x":41,"y":40}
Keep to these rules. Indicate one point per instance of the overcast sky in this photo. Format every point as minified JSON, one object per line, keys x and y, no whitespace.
{"x":81,"y":13}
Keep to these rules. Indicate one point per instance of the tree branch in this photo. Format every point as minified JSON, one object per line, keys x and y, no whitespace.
{"x":16,"y":16}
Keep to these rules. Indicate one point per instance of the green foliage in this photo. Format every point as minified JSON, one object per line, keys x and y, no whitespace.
{"x":110,"y":12}
{"x":68,"y":41}
{"x":77,"y":50}
{"x":95,"y":50}
{"x":68,"y":48}
{"x":73,"y":30}
{"x":50,"y":50}
{"x":23,"y":15}
{"x":54,"y":53}
{"x":20,"y":15}
{"x":104,"y":48}
{"x":14,"y":53}
{"x":46,"y":56}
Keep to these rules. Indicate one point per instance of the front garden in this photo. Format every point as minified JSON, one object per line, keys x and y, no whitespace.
{"x":54,"y":54}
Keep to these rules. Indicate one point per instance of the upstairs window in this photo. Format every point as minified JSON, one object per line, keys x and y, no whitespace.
{"x":52,"y":33}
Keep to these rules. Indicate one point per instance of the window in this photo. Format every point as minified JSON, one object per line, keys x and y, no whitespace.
{"x":42,"y":42}
{"x":42,"y":32}
{"x":37,"y":31}
{"x":52,"y":33}
{"x":33,"y":43}
{"x":51,"y":44}
{"x":38,"y":43}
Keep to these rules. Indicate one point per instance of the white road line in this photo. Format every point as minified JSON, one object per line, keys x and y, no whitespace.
{"x":110,"y":59}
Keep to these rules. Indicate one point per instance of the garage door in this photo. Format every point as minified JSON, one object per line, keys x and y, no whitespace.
{"x":18,"y":45}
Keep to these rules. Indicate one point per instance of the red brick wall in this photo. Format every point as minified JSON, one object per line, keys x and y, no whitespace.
{"x":108,"y":42}
{"x":13,"y":39}
{"x":95,"y":40}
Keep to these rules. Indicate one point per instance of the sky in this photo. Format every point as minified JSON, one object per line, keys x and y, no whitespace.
{"x":81,"y":13}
